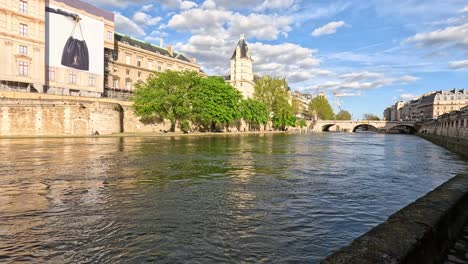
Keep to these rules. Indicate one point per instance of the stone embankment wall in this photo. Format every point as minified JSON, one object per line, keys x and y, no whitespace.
{"x":29,"y":114}
{"x":449,"y":131}
{"x":422,"y":232}
{"x":32,"y":114}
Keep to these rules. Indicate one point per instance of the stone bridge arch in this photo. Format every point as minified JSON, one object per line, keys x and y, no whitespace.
{"x":369,"y":127}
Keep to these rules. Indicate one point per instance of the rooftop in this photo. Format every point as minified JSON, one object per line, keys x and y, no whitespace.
{"x":149,"y":47}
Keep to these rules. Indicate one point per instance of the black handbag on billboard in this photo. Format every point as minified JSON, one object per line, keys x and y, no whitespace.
{"x":75,"y":53}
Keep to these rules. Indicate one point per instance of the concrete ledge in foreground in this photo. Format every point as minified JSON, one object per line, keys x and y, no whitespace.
{"x":422,"y":232}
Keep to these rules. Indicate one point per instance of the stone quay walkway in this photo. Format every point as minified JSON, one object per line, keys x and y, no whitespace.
{"x":458,"y":254}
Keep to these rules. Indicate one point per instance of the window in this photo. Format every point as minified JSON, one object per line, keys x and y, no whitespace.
{"x":72,"y":77}
{"x":23,"y":30}
{"x":23,"y":50}
{"x":128,"y":84}
{"x":23,"y":7}
{"x":138,"y":63}
{"x":128,"y":72}
{"x":150,"y":65}
{"x":23,"y":68}
{"x":52,"y":74}
{"x":128,"y":59}
{"x":159,"y":69}
{"x":110,"y":35}
{"x":139,"y":74}
{"x":116,"y":83}
{"x":92,"y":80}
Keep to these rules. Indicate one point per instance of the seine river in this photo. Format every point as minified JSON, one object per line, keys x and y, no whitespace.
{"x":271,"y":198}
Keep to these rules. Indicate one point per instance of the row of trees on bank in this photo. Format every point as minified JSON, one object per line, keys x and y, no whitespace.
{"x":210,"y":103}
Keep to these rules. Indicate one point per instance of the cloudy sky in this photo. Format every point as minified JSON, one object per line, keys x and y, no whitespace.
{"x":372,"y":52}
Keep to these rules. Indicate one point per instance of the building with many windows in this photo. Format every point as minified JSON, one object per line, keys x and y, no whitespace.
{"x":54,"y":46}
{"x":428,"y":106}
{"x":22,"y":45}
{"x":132,"y":61}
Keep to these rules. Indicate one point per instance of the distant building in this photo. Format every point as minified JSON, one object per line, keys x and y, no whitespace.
{"x":242,"y":76}
{"x":429,"y":106}
{"x":304,"y":100}
{"x":132,"y":61}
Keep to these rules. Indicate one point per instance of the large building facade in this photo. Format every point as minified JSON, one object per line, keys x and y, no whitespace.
{"x":69,"y":47}
{"x":22,"y":45}
{"x":242,"y":76}
{"x":428,"y":106}
{"x":132,"y":61}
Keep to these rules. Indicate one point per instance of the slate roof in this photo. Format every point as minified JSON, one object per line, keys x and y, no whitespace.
{"x":89,"y":8}
{"x":243,"y":48}
{"x":149,"y":47}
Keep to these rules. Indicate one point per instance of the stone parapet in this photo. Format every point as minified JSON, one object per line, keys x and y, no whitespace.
{"x":422,"y":232}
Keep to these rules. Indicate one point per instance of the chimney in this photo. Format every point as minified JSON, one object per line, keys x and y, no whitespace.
{"x":170,"y":49}
{"x":193,"y":60}
{"x":161,"y":42}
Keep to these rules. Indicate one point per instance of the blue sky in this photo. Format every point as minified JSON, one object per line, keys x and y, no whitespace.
{"x":372,"y":52}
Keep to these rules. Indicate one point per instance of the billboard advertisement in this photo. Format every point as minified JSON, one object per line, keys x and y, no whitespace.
{"x":74,"y":41}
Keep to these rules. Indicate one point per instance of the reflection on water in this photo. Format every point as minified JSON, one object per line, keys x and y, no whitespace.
{"x":258,"y":198}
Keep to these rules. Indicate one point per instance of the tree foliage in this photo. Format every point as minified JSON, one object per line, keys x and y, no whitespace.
{"x":166,"y":96}
{"x":274,"y":94}
{"x":371,"y":117}
{"x":215,"y":103}
{"x":343,"y":115}
{"x":320,"y":106}
{"x":284,"y":115}
{"x":254,"y":112}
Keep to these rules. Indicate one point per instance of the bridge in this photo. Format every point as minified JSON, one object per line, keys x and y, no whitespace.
{"x":353,"y":125}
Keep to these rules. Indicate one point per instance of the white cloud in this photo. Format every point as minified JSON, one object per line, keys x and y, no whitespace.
{"x":364,"y":81}
{"x":127,"y":26}
{"x":147,"y":8}
{"x":187,"y":5}
{"x":275,"y":4}
{"x":458,"y":64}
{"x":407,"y":97}
{"x":409,"y":79}
{"x":449,"y":36}
{"x":223,"y":23}
{"x":145,"y":19}
{"x":328,"y":29}
{"x":359,"y":76}
{"x":464,"y":10}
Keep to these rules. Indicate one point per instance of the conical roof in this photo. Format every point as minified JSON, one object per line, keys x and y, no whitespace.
{"x":243,"y":49}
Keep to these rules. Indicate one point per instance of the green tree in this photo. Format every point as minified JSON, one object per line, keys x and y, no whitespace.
{"x":254,"y":112}
{"x":166,"y":96}
{"x":297,"y":106}
{"x":215,"y":103}
{"x":283,"y":115}
{"x":343,"y":115}
{"x":371,"y":117}
{"x":322,"y":108}
{"x":274,"y":94}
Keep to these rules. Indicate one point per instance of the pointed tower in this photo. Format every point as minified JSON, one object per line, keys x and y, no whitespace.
{"x":242,"y":76}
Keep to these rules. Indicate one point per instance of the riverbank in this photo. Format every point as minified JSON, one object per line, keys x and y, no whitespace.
{"x":457,"y":145}
{"x":422,"y":232}
{"x":159,"y":134}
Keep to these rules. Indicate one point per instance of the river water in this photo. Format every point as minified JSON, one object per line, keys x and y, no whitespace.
{"x":270,"y":198}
